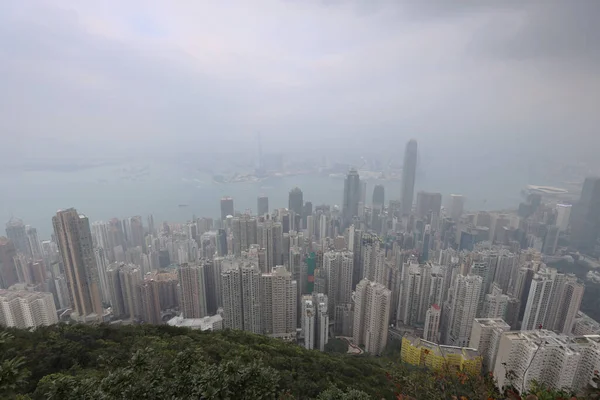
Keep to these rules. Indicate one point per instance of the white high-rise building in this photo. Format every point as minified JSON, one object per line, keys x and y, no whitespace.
{"x":308,"y":321}
{"x":24,"y":309}
{"x":495,"y":303}
{"x":323,"y":228}
{"x":431,"y":331}
{"x":422,"y":286}
{"x":338,"y":267}
{"x":463,"y":309}
{"x":193,"y":291}
{"x":372,"y":304}
{"x":563,"y":216}
{"x":35,"y":246}
{"x":485,"y":337}
{"x":231,"y":291}
{"x":102,"y":263}
{"x":373,"y":260}
{"x":251,"y":298}
{"x":279,"y":303}
{"x":240,"y":289}
{"x":553,"y":360}
{"x":272,"y":241}
{"x":315,"y":321}
{"x":244,"y":230}
{"x":568,"y":306}
{"x":538,"y":301}
{"x":321,"y":321}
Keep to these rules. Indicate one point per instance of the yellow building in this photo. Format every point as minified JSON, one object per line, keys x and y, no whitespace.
{"x":420,"y":352}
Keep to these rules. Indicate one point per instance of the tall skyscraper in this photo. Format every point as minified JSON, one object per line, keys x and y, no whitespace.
{"x":485,"y":337}
{"x":226,"y":207}
{"x":272,"y":241}
{"x":315,"y":321}
{"x":279,"y":294}
{"x":262,"y":205}
{"x":308,"y":317}
{"x":240,"y":287}
{"x":495,"y":304}
{"x":150,"y":308}
{"x":351,"y":199}
{"x":35,"y":246}
{"x":338,"y":267}
{"x":151,"y":227}
{"x":457,"y":205}
{"x":373,"y":260}
{"x":8,"y":269}
{"x":431,"y":331}
{"x":296,"y":201}
{"x":158,"y":292}
{"x":123,"y":285}
{"x":372,"y":306}
{"x":428,"y":203}
{"x":585,"y":216}
{"x":568,"y":306}
{"x":551,"y":240}
{"x":538,"y":301}
{"x":422,"y":286}
{"x":135,"y":234}
{"x":506,"y":270}
{"x":193,"y":290}
{"x":244,"y":230}
{"x":486,"y":269}
{"x":377,"y":209}
{"x":212,"y":282}
{"x":463,"y":309}
{"x":409,"y":171}
{"x":378,"y":196}
{"x":16,"y":232}
{"x":74,"y":238}
{"x":24,"y":309}
{"x":563,"y":216}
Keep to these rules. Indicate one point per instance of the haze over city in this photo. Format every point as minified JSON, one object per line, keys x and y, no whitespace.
{"x":413,"y":182}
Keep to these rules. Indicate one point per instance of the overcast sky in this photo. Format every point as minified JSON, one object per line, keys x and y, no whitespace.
{"x":102,"y":77}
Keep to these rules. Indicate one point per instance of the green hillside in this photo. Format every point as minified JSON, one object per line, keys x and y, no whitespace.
{"x":158,"y":362}
{"x":162,"y":362}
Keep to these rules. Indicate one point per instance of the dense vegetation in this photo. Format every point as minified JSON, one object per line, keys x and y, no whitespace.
{"x":158,"y":362}
{"x":162,"y":362}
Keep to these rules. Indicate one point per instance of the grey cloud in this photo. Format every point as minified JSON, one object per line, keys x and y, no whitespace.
{"x":557,"y":31}
{"x":306,"y":74}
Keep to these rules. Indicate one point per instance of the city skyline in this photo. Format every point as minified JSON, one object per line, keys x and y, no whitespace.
{"x":415,"y":181}
{"x":309,"y":274}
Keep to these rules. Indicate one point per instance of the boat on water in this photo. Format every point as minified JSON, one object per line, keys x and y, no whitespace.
{"x":183,"y":205}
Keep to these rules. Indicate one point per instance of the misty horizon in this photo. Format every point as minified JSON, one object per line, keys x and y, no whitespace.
{"x":108,"y":80}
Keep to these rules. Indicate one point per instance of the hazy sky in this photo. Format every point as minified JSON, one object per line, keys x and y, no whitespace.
{"x":141,"y":76}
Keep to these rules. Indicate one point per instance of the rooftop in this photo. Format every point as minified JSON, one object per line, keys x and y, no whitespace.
{"x":204,"y":324}
{"x":443,"y":350}
{"x":492,"y":322}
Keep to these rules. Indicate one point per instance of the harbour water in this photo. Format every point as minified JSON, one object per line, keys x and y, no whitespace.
{"x":159,"y":188}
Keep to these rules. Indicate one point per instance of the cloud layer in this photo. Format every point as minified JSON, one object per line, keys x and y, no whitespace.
{"x":466,"y":78}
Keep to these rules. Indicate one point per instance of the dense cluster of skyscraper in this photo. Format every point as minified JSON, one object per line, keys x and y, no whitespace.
{"x":302,"y":273}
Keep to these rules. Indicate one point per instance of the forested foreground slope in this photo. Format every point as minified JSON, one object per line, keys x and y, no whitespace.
{"x":162,"y":362}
